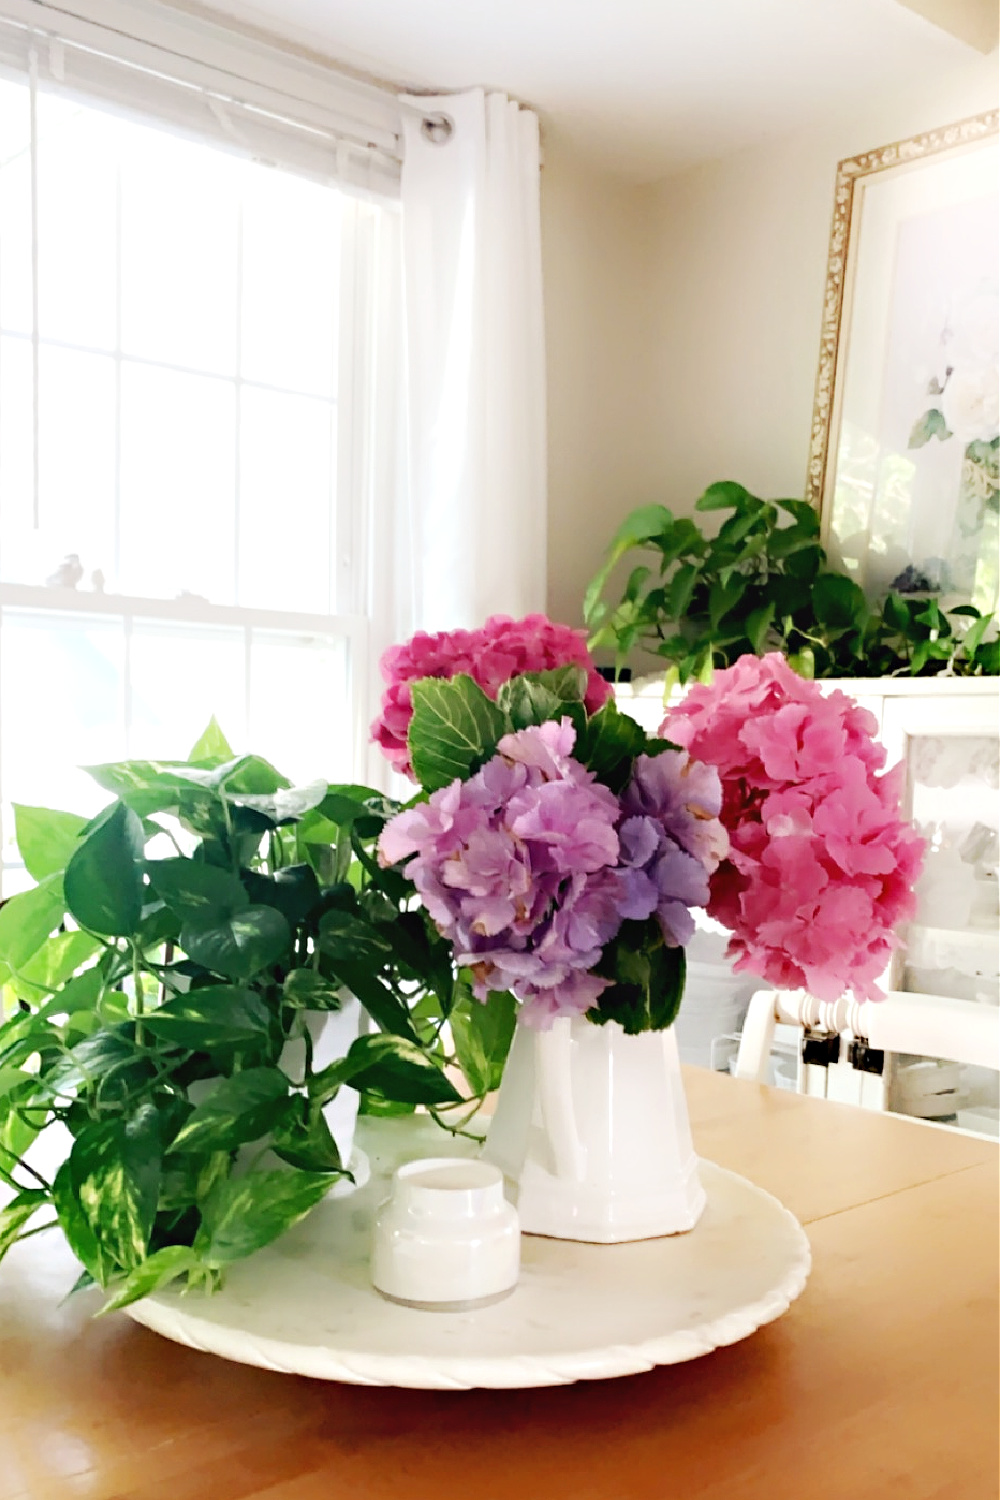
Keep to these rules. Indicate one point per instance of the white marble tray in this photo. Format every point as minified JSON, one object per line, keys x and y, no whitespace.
{"x":305,"y":1305}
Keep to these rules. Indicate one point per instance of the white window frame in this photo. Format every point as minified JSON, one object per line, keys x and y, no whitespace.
{"x":228,"y":89}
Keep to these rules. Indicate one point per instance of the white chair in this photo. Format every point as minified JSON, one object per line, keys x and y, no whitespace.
{"x":936,"y":1026}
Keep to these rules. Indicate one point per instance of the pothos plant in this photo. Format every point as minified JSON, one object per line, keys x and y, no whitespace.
{"x":763,"y":583}
{"x":152,"y":979}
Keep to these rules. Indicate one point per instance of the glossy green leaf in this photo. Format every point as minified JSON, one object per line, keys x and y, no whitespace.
{"x":153,"y":784}
{"x":27,"y":919}
{"x":306,"y":1144}
{"x":839,"y":602}
{"x":294,"y":891}
{"x":18,"y":1213}
{"x":158,"y":1270}
{"x":248,"y":775}
{"x":391,"y":1065}
{"x":725,"y":597}
{"x":284,"y":805}
{"x":972,"y":639}
{"x":535,"y":697}
{"x":239,"y":1109}
{"x":240,"y":946}
{"x":347,"y":937}
{"x":640,"y":527}
{"x":804,"y":514}
{"x":308,"y":990}
{"x":482,"y":1033}
{"x":114,"y":1178}
{"x":726,"y":494}
{"x":455,"y":727}
{"x":22,"y":1035}
{"x":109,"y":1058}
{"x":103,"y":879}
{"x":757,"y":626}
{"x":18,"y":1131}
{"x":197,"y":892}
{"x":608,"y":745}
{"x":77,"y":1229}
{"x":246,"y":1213}
{"x":647,"y":980}
{"x":217,"y":1015}
{"x":386,"y":1009}
{"x":384,"y":1109}
{"x":211,"y":744}
{"x":46,"y":838}
{"x":61,"y":956}
{"x":188,"y":1179}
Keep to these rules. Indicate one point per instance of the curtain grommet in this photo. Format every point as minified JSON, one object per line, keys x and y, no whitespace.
{"x":438,"y":129}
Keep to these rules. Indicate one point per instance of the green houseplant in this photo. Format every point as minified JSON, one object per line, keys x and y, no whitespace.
{"x":763,"y":583}
{"x":153,"y":978}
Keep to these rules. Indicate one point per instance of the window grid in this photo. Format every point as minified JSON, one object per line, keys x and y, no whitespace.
{"x":254,"y":624}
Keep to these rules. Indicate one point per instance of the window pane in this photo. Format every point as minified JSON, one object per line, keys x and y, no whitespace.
{"x":286,"y":501}
{"x":291,"y":272}
{"x":181,"y":675}
{"x":179,"y":250}
{"x":16,"y":484}
{"x":15,"y":208}
{"x":77,"y":223}
{"x":300,"y":709}
{"x":63,"y":699}
{"x":177,"y":484}
{"x":77,"y":460}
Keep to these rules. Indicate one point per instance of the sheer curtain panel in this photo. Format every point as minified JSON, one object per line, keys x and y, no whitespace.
{"x":475,"y":358}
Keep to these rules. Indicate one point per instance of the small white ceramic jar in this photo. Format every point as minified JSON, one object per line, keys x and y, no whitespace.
{"x":446,"y":1239}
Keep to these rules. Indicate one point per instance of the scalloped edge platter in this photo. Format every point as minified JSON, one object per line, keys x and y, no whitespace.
{"x":305,"y":1305}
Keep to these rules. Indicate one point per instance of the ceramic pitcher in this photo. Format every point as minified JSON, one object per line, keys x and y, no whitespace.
{"x":591,"y":1131}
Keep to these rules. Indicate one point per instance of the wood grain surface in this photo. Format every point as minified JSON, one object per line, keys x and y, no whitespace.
{"x":881,"y":1381}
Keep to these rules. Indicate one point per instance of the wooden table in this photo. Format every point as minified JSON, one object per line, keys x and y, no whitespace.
{"x":881,"y":1381}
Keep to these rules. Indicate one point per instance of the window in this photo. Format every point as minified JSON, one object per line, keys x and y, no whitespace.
{"x":184,"y":375}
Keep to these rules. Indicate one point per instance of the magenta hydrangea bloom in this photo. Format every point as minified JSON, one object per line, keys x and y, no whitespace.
{"x":503,"y":648}
{"x":821,"y":865}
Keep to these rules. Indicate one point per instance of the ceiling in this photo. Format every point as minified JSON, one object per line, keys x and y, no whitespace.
{"x":647,"y":87}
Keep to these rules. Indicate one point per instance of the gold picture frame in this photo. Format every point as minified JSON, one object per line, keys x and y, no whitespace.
{"x":860,"y":199}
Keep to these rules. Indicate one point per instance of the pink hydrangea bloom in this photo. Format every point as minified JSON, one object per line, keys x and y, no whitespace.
{"x":821,"y":865}
{"x":503,"y":648}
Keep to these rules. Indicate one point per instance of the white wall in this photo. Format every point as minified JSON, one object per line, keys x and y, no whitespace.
{"x":596,"y":244}
{"x":683,"y":321}
{"x":741,"y":251}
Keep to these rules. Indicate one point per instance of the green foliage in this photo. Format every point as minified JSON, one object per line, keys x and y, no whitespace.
{"x":147,"y":1004}
{"x":763,"y":584}
{"x":483,"y":1034}
{"x":449,"y":724}
{"x":647,"y":979}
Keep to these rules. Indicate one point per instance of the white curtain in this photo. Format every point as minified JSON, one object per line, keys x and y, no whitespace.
{"x":475,"y":528}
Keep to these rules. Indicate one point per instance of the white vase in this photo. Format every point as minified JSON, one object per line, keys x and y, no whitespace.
{"x":591,"y":1131}
{"x":331,"y":1033}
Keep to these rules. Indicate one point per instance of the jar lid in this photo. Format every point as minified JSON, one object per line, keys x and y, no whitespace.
{"x":449,"y":1188}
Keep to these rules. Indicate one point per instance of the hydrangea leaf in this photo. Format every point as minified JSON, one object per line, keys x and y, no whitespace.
{"x":455,"y":728}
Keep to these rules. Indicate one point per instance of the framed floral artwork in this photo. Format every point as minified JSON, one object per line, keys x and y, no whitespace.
{"x":903,"y":462}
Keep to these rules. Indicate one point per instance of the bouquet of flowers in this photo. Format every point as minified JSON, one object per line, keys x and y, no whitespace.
{"x":562,"y":851}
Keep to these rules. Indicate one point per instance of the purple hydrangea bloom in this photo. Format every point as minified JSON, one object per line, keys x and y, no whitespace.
{"x":517,"y":867}
{"x":530,"y":867}
{"x":671,"y":839}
